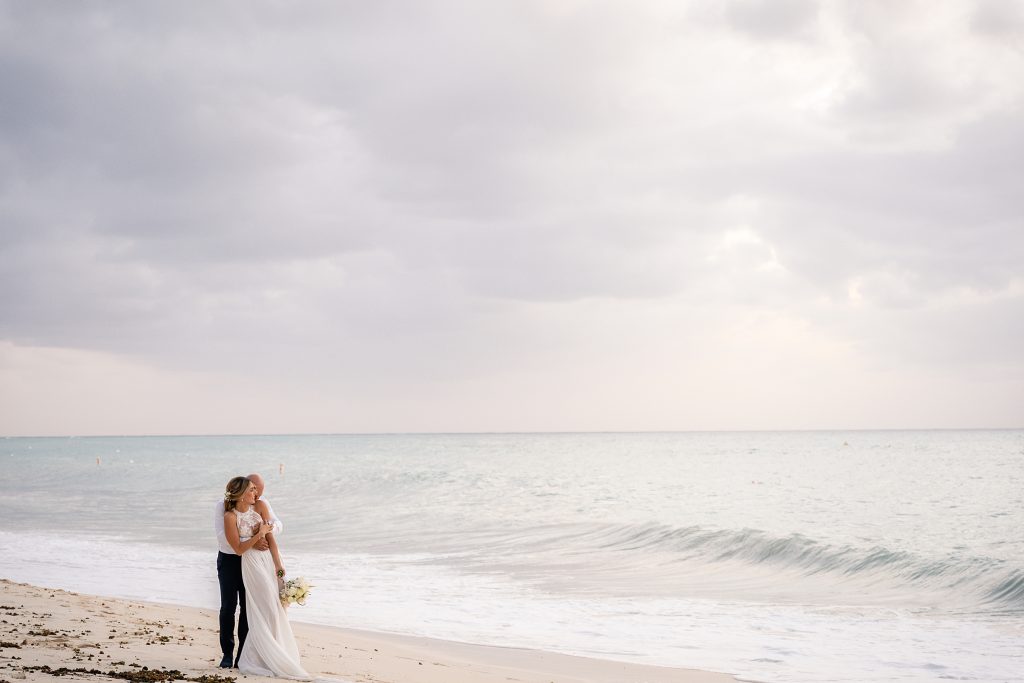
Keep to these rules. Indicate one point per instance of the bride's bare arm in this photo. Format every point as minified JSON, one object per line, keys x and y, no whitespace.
{"x":276,"y":555}
{"x":231,"y":532}
{"x":264,"y":511}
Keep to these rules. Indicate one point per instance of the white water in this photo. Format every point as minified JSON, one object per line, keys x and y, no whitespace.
{"x":779,"y":557}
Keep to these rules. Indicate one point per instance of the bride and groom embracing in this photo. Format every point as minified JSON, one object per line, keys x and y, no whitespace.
{"x":249,"y":570}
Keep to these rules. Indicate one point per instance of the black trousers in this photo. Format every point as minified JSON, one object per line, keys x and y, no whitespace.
{"x":229,"y":575}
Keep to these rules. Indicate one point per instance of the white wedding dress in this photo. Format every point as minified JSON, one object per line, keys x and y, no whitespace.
{"x":270,"y":648}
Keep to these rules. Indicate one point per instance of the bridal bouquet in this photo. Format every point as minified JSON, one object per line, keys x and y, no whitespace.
{"x":295,"y":591}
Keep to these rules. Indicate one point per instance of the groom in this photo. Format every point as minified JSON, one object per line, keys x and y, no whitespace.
{"x":229,"y":575}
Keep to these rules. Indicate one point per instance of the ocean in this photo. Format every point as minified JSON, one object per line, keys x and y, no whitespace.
{"x":775,"y":556}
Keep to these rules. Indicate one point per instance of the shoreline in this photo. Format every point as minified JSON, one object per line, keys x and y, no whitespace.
{"x":257,"y":435}
{"x":139,"y":640}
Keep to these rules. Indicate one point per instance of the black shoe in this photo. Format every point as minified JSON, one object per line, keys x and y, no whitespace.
{"x":226,"y":662}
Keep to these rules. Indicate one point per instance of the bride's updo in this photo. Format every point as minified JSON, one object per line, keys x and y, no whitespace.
{"x":233,"y":492}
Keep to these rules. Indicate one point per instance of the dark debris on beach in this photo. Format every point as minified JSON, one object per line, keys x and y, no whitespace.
{"x":143,"y":675}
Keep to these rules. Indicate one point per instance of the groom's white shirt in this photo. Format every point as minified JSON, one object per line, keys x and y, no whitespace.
{"x":218,"y":525}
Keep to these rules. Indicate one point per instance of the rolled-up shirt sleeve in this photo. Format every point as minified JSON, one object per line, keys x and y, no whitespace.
{"x":218,"y":528}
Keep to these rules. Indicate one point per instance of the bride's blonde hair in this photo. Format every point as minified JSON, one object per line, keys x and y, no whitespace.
{"x":234,"y":490}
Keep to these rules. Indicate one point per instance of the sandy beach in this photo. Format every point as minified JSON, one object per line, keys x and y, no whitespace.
{"x":49,"y":632}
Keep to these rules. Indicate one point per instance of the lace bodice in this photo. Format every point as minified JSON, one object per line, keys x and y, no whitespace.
{"x":248,"y":523}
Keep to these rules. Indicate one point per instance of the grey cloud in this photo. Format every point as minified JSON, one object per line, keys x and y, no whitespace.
{"x":898,"y":88}
{"x":387,"y":179}
{"x":836,"y":213}
{"x":158,"y":147}
{"x":911,"y":84}
{"x":1001,"y":19}
{"x":772,"y":19}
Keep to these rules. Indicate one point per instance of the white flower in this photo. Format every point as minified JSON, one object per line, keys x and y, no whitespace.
{"x":295,"y":591}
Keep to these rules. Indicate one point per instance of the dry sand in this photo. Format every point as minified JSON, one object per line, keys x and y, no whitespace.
{"x":43,"y":630}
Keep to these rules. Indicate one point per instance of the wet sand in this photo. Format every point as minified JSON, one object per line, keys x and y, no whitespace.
{"x":49,"y":632}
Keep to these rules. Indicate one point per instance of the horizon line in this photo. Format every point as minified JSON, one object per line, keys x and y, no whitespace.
{"x":514,"y":432}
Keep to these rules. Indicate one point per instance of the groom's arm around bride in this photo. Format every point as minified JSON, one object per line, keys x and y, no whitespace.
{"x":271,"y":518}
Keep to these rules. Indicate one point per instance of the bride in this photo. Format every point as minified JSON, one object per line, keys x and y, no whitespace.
{"x":270,"y":648}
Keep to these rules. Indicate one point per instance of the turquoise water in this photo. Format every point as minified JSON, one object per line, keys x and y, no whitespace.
{"x":808,"y":556}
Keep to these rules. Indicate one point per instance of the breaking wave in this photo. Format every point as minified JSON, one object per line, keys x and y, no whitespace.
{"x":969,"y":582}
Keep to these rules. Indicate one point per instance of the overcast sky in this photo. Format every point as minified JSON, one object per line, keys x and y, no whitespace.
{"x":260,"y":217}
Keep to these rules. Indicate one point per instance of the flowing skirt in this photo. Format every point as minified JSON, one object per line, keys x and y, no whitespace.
{"x":270,"y":648}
